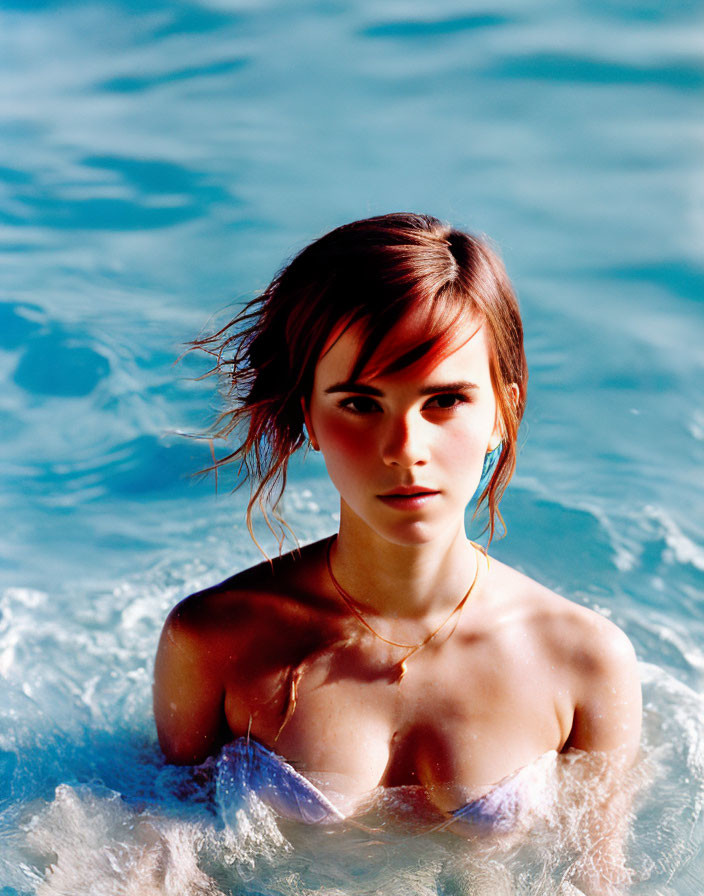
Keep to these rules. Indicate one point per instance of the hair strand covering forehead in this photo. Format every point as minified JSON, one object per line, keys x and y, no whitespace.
{"x":442,"y":330}
{"x":371,"y":273}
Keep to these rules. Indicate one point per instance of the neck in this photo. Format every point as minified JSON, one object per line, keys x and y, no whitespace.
{"x":402,"y":581}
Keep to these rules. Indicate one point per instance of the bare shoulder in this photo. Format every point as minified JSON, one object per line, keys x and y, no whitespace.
{"x":284,"y":587}
{"x":218,"y":642}
{"x":592,"y":658}
{"x":587,"y":639}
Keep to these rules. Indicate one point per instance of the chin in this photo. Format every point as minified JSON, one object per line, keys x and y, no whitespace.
{"x":424,"y":529}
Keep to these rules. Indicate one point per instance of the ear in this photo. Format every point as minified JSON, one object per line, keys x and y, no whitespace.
{"x":498,"y":434}
{"x":309,"y":426}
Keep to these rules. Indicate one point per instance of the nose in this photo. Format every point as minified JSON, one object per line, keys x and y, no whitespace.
{"x":405,"y":442}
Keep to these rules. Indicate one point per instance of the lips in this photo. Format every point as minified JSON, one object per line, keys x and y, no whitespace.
{"x":407,"y":491}
{"x":409,"y":497}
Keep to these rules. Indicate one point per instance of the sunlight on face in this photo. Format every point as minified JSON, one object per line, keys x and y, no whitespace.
{"x":405,"y":451}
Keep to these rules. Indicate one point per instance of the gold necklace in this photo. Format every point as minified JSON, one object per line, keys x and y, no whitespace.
{"x":412,"y":648}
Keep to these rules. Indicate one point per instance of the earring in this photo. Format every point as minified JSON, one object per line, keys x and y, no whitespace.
{"x":491,"y":459}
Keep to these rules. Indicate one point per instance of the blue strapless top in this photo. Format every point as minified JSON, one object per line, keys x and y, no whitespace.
{"x":245,"y":767}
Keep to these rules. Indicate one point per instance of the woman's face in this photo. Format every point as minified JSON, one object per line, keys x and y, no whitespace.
{"x":405,"y":451}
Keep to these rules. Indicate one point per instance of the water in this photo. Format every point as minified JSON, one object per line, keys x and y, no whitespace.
{"x":159,"y":162}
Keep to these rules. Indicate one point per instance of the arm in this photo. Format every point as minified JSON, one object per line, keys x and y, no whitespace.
{"x":607,"y":721}
{"x":608,"y":704}
{"x":188,"y":691}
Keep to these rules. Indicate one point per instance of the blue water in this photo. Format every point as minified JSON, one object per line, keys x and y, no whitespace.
{"x":158,"y":163}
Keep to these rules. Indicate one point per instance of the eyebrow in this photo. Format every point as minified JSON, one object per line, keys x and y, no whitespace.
{"x":432,"y":389}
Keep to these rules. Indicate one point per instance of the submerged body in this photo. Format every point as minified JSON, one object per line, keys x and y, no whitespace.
{"x":246,"y":768}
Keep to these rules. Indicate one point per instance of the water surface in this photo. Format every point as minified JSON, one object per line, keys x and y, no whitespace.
{"x":158,"y":164}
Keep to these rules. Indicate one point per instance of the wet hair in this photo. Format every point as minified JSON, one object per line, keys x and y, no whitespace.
{"x":369,"y":273}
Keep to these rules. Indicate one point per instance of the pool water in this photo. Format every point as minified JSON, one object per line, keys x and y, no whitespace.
{"x":158,"y":162}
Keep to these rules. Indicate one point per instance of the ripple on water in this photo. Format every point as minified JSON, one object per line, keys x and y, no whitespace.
{"x":682,"y":277}
{"x":571,"y":532}
{"x":428,"y":28}
{"x":137,"y":83}
{"x":147,"y":465}
{"x":19,"y":321}
{"x":61,"y":365}
{"x":138,"y":194}
{"x":575,"y":68}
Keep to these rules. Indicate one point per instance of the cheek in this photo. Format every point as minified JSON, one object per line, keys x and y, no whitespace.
{"x":339,"y":439}
{"x":462,"y":451}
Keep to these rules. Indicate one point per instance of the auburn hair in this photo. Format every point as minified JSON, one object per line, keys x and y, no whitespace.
{"x":369,"y":273}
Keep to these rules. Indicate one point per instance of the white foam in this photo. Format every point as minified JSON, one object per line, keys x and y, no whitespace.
{"x":94,"y":844}
{"x":681,"y":548}
{"x":696,"y":425}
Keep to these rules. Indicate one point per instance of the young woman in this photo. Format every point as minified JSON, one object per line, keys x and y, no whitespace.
{"x":395,"y":652}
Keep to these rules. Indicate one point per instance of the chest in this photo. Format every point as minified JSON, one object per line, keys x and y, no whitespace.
{"x":463,"y":717}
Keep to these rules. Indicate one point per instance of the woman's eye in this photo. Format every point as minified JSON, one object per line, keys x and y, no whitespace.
{"x":446,"y":401}
{"x":359,"y":404}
